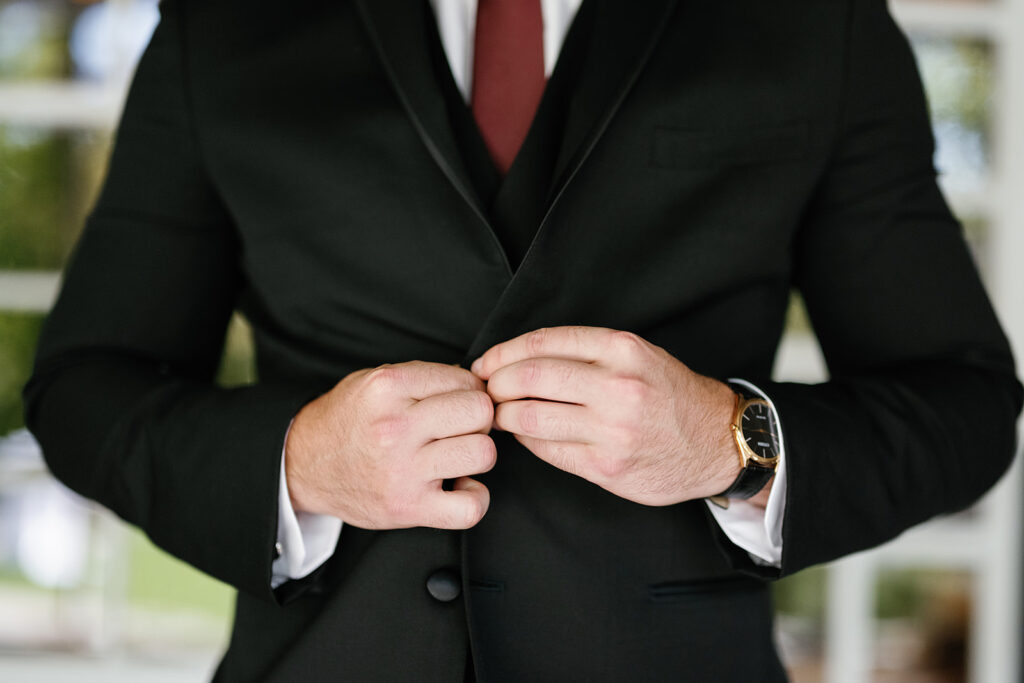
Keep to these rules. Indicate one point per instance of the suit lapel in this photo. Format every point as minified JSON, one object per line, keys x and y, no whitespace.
{"x":398,"y":29}
{"x":622,"y":39}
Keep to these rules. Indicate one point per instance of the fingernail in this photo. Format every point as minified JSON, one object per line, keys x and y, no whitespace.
{"x":475,"y":367}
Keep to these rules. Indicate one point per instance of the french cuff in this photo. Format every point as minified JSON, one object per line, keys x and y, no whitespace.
{"x":757,"y":531}
{"x":304,"y":541}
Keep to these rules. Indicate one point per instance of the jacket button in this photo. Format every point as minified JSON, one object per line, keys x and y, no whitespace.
{"x":444,"y":585}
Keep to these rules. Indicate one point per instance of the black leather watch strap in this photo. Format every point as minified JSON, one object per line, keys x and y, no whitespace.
{"x":752,"y":479}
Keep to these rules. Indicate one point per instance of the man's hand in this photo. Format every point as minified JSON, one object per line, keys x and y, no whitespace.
{"x":616,"y":410}
{"x":375,"y":450}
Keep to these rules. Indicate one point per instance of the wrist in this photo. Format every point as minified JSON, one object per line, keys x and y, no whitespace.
{"x":301,"y":495}
{"x":724,"y":463}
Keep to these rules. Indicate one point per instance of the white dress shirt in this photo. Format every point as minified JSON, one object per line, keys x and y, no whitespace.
{"x":305,"y":541}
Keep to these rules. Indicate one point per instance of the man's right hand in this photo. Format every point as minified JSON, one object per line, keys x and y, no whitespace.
{"x":375,"y":450}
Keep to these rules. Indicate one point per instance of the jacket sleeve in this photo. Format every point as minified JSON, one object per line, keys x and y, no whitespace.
{"x":918,"y":417}
{"x":122,"y":398}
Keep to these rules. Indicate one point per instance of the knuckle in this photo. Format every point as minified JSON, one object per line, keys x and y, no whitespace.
{"x":528,"y":418}
{"x":388,"y":431}
{"x":624,"y":435}
{"x":529,"y":372}
{"x":566,"y":459}
{"x":630,"y":389}
{"x":536,"y":340}
{"x":384,"y":379}
{"x":628,"y":343}
{"x":566,"y":372}
{"x":610,"y":467}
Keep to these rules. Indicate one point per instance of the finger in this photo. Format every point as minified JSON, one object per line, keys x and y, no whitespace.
{"x":458,"y":456}
{"x":416,"y":380}
{"x":460,"y":508}
{"x":567,"y":456}
{"x":589,"y":344}
{"x":450,"y":414}
{"x":551,"y":379}
{"x":546,"y":420}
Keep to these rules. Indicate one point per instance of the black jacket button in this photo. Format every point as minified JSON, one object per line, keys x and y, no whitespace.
{"x":444,"y":585}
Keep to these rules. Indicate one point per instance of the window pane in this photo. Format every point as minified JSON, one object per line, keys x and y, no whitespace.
{"x":958,"y":75}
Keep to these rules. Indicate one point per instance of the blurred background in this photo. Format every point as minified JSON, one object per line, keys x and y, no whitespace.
{"x":83,"y":597}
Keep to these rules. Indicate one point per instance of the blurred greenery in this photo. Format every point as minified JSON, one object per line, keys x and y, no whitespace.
{"x":902,"y":593}
{"x":899,"y":593}
{"x":238,"y":363}
{"x":958,"y":78}
{"x":802,"y":594}
{"x":159,"y":580}
{"x":34,"y":39}
{"x":156,"y":580}
{"x":18,"y":334}
{"x":48,"y":181}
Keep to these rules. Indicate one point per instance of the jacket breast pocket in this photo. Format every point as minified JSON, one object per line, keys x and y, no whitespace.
{"x":702,"y":148}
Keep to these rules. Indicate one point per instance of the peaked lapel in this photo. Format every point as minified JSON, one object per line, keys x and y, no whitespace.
{"x":398,"y":29}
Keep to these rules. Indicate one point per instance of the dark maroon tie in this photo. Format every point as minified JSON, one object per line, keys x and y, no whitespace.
{"x":508,"y":74}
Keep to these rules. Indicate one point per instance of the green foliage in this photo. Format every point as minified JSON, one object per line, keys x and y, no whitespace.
{"x":33,"y":168}
{"x":902,"y":593}
{"x":37,"y":46}
{"x":18,"y":334}
{"x":802,"y":594}
{"x":161,"y":581}
{"x":48,"y":180}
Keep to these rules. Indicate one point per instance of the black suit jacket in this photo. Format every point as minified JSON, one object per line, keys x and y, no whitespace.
{"x":299,"y":164}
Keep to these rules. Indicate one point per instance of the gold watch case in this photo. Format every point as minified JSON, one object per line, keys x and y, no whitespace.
{"x":746,"y":453}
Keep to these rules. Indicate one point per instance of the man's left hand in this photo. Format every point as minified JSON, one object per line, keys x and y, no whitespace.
{"x":610,"y":407}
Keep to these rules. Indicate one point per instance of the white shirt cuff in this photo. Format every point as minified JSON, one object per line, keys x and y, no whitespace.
{"x":758,"y":531}
{"x":304,"y":541}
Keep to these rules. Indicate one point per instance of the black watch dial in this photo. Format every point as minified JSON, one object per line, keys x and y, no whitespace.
{"x":760,"y":430}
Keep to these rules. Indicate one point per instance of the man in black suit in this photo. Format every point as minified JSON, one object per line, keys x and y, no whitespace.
{"x":688,"y":164}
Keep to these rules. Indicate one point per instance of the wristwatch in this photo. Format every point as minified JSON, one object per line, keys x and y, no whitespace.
{"x":755,"y":429}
